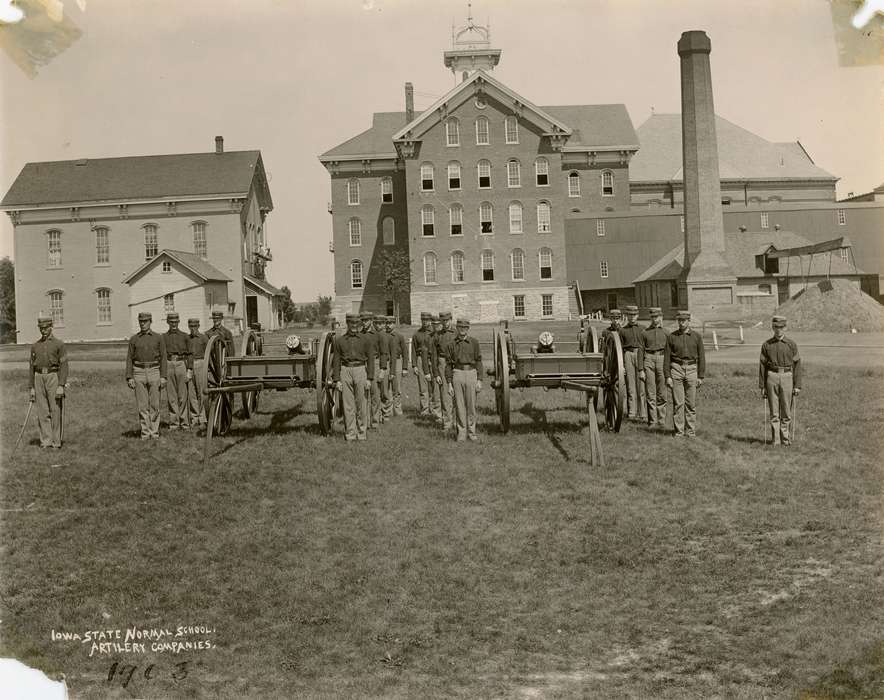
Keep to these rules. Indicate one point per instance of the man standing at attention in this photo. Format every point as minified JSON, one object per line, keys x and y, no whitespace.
{"x":179,"y":365}
{"x":420,"y":348}
{"x":463,"y":367}
{"x":146,"y":374}
{"x":651,"y":349}
{"x":630,"y":334}
{"x":779,"y":378}
{"x":218,"y":328}
{"x":436,"y":389}
{"x":352,"y":367}
{"x":372,"y":348}
{"x":398,"y":364}
{"x":49,"y":373}
{"x":197,"y":386}
{"x":684,"y":365}
{"x":443,"y":338}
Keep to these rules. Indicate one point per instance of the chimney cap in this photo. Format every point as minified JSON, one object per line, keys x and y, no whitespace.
{"x":694,"y":41}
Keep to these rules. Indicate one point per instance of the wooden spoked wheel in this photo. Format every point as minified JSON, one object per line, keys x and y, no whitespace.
{"x":588,"y":338}
{"x":325,"y":390}
{"x":251,"y":346}
{"x":502,"y":380}
{"x":220,"y":408}
{"x":614,"y":381}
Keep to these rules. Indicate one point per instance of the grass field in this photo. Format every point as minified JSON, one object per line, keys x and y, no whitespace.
{"x":413,"y":567}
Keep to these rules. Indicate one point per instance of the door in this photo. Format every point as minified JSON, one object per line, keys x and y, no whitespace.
{"x":782,"y":291}
{"x":251,"y":311}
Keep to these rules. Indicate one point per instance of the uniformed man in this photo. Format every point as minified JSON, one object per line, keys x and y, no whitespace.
{"x":630,"y":337}
{"x":442,"y":338}
{"x":218,"y":328}
{"x":146,"y":374}
{"x":197,"y":386}
{"x":684,"y":366}
{"x":179,"y":368}
{"x":436,"y":390}
{"x":48,"y":370}
{"x":398,"y":363}
{"x":651,"y":349}
{"x":352,"y":369}
{"x":463,"y":369}
{"x":779,"y":378}
{"x":420,"y":362}
{"x":373,"y":348}
{"x":385,"y":341}
{"x":615,"y":317}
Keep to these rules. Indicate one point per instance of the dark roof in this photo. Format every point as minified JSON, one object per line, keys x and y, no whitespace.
{"x":191,"y":261}
{"x":596,"y":125}
{"x":374,"y":141}
{"x":741,"y":154}
{"x":264,"y":286}
{"x":138,"y":177}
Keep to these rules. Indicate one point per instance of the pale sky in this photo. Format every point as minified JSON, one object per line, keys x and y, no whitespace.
{"x":294,"y":78}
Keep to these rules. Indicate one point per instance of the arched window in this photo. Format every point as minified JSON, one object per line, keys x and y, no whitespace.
{"x":517,"y":263}
{"x":541,"y":172}
{"x":56,"y":306}
{"x":354,"y":227}
{"x":487,"y":263}
{"x":543,"y":217}
{"x":389,"y":228}
{"x":151,"y":245}
{"x":515,"y":210}
{"x":483,"y":135}
{"x":574,"y":184}
{"x":429,"y":268}
{"x":513,"y":173}
{"x":545,"y":259}
{"x":452,"y":132}
{"x":356,"y":274}
{"x":199,"y":238}
{"x":428,"y":183}
{"x":607,"y":183}
{"x":454,"y":175}
{"x":511,"y":129}
{"x":457,"y":267}
{"x":53,"y":245}
{"x":102,"y":245}
{"x":486,"y":216}
{"x":483,"y":168}
{"x":455,"y":219}
{"x":104,"y":305}
{"x":428,"y":220}
{"x":386,"y":190}
{"x":353,"y":191}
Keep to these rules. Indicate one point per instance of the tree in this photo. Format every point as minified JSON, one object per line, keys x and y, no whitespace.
{"x":324,"y":308}
{"x":395,"y":266}
{"x":288,"y":306}
{"x":7,"y":300}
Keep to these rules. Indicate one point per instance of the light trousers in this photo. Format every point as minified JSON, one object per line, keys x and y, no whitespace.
{"x":353,"y":381}
{"x":147,"y":396}
{"x":48,"y":409}
{"x":684,"y":398}
{"x":195,"y":393}
{"x":176,"y":393}
{"x":464,"y":382}
{"x":778,"y":386}
{"x":655,"y":389}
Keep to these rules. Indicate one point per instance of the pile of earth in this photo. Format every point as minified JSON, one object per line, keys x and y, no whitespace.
{"x":833,"y":305}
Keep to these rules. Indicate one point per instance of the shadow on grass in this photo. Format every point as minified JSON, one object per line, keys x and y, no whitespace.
{"x":745,"y":438}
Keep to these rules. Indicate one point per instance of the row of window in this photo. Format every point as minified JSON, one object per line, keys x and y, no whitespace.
{"x":515,"y":215}
{"x":483,"y":131}
{"x":102,"y":243}
{"x":103,"y":301}
{"x":388,"y":226}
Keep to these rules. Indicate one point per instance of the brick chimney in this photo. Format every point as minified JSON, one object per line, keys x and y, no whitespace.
{"x":219,"y":144}
{"x":409,"y":103}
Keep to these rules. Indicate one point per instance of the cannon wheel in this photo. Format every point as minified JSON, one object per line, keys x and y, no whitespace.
{"x":502,"y":380}
{"x":594,"y":337}
{"x":614,"y":372}
{"x":219,"y":409}
{"x":324,"y":389}
{"x":251,"y":345}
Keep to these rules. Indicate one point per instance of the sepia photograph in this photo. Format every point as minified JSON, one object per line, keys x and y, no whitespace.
{"x":592,"y":289}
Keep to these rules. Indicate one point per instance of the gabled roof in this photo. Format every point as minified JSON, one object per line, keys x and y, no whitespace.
{"x":264,"y":286}
{"x":741,"y":154}
{"x":596,"y":126}
{"x":190,"y":261}
{"x":376,"y":141}
{"x":133,"y":178}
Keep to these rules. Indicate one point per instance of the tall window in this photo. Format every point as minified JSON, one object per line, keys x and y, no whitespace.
{"x":452,"y":132}
{"x":600,"y":227}
{"x":517,"y":260}
{"x":541,"y":172}
{"x":543,"y":217}
{"x":387,"y":190}
{"x":389,"y":228}
{"x":429,"y":268}
{"x":545,"y":263}
{"x":355,"y":229}
{"x":482,"y":131}
{"x":519,"y":306}
{"x":169,"y":302}
{"x":603,"y":269}
{"x":151,"y":248}
{"x":487,"y":260}
{"x":53,"y":242}
{"x":765,"y":220}
{"x":454,"y":175}
{"x":842,"y":217}
{"x":56,"y":307}
{"x":457,"y":274}
{"x":167,"y":267}
{"x":513,"y":174}
{"x":682,"y":223}
{"x":511,"y":128}
{"x":574,"y":185}
{"x":199,"y":238}
{"x":102,"y":245}
{"x":455,"y":219}
{"x":515,"y":217}
{"x":546,"y":305}
{"x":845,"y":254}
{"x":484,"y":171}
{"x":356,"y":274}
{"x":428,"y":218}
{"x":607,"y":183}
{"x":353,"y":191}
{"x":104,"y":305}
{"x":427,"y":178}
{"x":486,"y":212}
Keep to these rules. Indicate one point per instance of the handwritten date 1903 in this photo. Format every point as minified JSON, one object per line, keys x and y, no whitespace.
{"x":123,"y":673}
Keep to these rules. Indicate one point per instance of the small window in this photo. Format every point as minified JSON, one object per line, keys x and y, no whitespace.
{"x":511,"y":129}
{"x":771,"y":265}
{"x":54,"y":248}
{"x":725,"y":201}
{"x":199,"y":238}
{"x":612,"y":301}
{"x":842,"y":217}
{"x":545,"y":263}
{"x":354,"y":227}
{"x":515,"y":210}
{"x":454,"y":176}
{"x":452,"y":132}
{"x":607,"y":184}
{"x":387,"y":190}
{"x":356,"y":274}
{"x":600,"y":227}
{"x":673,"y":295}
{"x":682,"y":223}
{"x":519,"y":306}
{"x":102,"y":246}
{"x":457,"y":272}
{"x":389,"y":228}
{"x":487,"y":260}
{"x":845,"y":254}
{"x":484,"y":171}
{"x":482,"y":132}
{"x":104,"y":305}
{"x":546,"y":305}
{"x":353,"y":191}
{"x":513,"y":174}
{"x":167,"y":267}
{"x":428,"y":218}
{"x":543,"y":217}
{"x":169,"y":302}
{"x":541,"y":172}
{"x":56,"y":307}
{"x":603,"y":269}
{"x":765,"y":220}
{"x":151,"y":246}
{"x":455,"y":219}
{"x":429,"y":268}
{"x":486,"y":223}
{"x":517,"y":259}
{"x":427,"y":178}
{"x":574,"y":185}
{"x":764,"y":288}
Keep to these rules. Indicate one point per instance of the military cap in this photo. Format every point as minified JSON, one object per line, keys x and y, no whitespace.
{"x":44,"y":319}
{"x":352,"y":317}
{"x":172,"y":316}
{"x":683,"y":315}
{"x":365,"y":315}
{"x":145,"y":316}
{"x":193,"y":322}
{"x":217,"y":314}
{"x":655,"y":311}
{"x":614,"y":313}
{"x":435,"y":318}
{"x":426,"y":316}
{"x":444,"y":315}
{"x":463,"y":322}
{"x":779,"y":321}
{"x":632,"y":309}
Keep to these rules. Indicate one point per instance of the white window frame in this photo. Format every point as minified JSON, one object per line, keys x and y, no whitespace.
{"x":53,"y":248}
{"x":487,"y":132}
{"x":842,"y":217}
{"x":103,"y":302}
{"x":353,"y":191}
{"x":169,"y":302}
{"x":452,"y":132}
{"x":682,"y":222}
{"x":574,"y":184}
{"x":486,"y":208}
{"x":151,"y":241}
{"x":513,"y":173}
{"x":391,"y":239}
{"x":519,"y":299}
{"x":428,"y":218}
{"x":544,"y":217}
{"x":102,"y":248}
{"x":354,"y":226}
{"x":765,"y":220}
{"x":521,"y":254}
{"x":458,"y":255}
{"x":541,"y":168}
{"x":540,"y":255}
{"x":517,"y":224}
{"x":607,"y":175}
{"x":455,"y":211}
{"x":427,"y":168}
{"x":454,"y":172}
{"x":480,"y":166}
{"x":486,"y":262}
{"x":543,"y":304}
{"x":603,"y":269}
{"x":200,"y":238}
{"x":845,"y":254}
{"x":600,"y":227}
{"x":386,"y":190}
{"x":56,"y":306}
{"x":511,"y":129}
{"x":166,"y":267}
{"x":357,"y":280}
{"x":431,"y":262}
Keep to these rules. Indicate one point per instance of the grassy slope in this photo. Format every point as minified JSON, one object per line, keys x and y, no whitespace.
{"x":409,"y":566}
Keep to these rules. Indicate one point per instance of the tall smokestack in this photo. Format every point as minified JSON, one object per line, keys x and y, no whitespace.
{"x":409,"y":103}
{"x":219,"y":144}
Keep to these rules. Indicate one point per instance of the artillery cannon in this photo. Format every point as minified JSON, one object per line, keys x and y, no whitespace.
{"x":252,"y":372}
{"x":596,"y":368}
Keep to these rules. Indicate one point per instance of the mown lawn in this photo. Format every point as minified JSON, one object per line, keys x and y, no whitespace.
{"x":413,"y":567}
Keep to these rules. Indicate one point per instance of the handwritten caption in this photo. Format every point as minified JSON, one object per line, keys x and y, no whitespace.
{"x":141,"y":640}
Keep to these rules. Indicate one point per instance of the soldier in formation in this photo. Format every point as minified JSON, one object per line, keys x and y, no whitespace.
{"x":146,"y":374}
{"x":442,"y":338}
{"x":630,"y":337}
{"x":779,"y":379}
{"x":353,"y":369}
{"x":436,"y":389}
{"x":48,"y":371}
{"x":197,"y":386}
{"x":179,"y":368}
{"x":463,"y":372}
{"x":651,"y":348}
{"x":398,"y":366}
{"x":374,"y":349}
{"x":218,"y":328}
{"x":420,"y":362}
{"x":684,"y":366}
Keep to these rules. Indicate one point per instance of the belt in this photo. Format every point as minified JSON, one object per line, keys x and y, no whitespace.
{"x":175,"y":356}
{"x":355,"y":363}
{"x":778,"y":370}
{"x":653,"y":352}
{"x":677,"y":361}
{"x":630,"y":349}
{"x":463,"y":365}
{"x":45,"y":370}
{"x":146,"y":365}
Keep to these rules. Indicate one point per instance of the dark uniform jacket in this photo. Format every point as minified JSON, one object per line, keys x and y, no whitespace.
{"x":780,"y":354}
{"x":198,"y":344}
{"x":630,"y":336}
{"x":49,"y":355}
{"x":462,"y":351}
{"x":178,"y":344}
{"x":352,"y":348}
{"x":225,"y":334}
{"x":420,"y":346}
{"x":398,"y":349}
{"x":377,"y":347}
{"x":442,"y":339}
{"x":147,"y":347}
{"x":652,"y":341}
{"x":684,"y":347}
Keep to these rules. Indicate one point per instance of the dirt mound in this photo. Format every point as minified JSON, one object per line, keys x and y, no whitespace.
{"x":833,"y":305}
